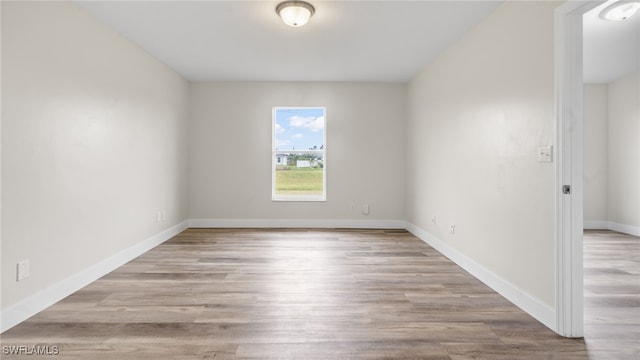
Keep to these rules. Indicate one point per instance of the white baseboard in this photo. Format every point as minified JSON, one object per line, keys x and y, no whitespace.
{"x":623,"y":228}
{"x":298,"y":223}
{"x":35,"y":303}
{"x":611,"y":225}
{"x":596,"y":225}
{"x":49,"y":296}
{"x":531,"y":305}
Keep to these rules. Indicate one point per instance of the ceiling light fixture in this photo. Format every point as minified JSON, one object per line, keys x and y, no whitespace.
{"x":620,"y":10}
{"x":295,"y":13}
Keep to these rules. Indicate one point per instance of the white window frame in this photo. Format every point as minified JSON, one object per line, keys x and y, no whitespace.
{"x":274,"y":152}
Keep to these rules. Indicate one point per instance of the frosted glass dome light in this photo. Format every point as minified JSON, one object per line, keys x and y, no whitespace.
{"x":295,"y":13}
{"x":620,"y":10}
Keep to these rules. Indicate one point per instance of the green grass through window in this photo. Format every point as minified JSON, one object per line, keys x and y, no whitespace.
{"x":292,"y":180}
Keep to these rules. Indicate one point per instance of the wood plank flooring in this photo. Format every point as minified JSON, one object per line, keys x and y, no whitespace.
{"x":320,"y":294}
{"x":612,"y":293}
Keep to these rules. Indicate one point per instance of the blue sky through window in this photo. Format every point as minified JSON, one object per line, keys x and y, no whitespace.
{"x":299,"y":128}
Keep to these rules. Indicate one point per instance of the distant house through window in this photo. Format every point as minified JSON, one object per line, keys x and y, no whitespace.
{"x":298,"y":154}
{"x":282,"y":159}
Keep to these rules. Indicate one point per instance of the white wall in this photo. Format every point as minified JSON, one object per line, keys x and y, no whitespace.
{"x":476,"y":117}
{"x":624,"y":154}
{"x":596,"y":142}
{"x":612,"y":155}
{"x":93,"y":144}
{"x":230,"y":153}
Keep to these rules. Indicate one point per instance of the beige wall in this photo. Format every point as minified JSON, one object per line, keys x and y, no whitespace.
{"x":476,"y":117}
{"x":596,"y":141}
{"x":624,"y":152}
{"x":230,"y":142}
{"x":93,"y":144}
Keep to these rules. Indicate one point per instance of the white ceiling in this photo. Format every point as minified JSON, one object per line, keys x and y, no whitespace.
{"x":386,"y":41}
{"x":348,"y":40}
{"x":611,"y":48}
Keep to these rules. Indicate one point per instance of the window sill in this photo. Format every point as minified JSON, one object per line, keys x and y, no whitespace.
{"x":299,"y":198}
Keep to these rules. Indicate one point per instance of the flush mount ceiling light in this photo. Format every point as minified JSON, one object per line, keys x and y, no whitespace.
{"x":295,"y":13}
{"x":620,"y":10}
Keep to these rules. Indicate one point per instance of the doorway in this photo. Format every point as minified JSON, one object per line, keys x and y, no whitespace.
{"x":570,"y":171}
{"x":569,"y":168}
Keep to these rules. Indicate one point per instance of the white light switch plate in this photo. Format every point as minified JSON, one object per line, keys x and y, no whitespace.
{"x":545,"y":154}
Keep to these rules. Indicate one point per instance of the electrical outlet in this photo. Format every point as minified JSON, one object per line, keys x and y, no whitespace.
{"x":159,"y":216}
{"x":22,"y":270}
{"x":365,"y":209}
{"x":453,"y":229}
{"x":433,"y":219}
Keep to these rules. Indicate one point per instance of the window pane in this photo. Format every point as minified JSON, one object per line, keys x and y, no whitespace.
{"x":299,"y":129}
{"x":299,"y":165}
{"x":299,"y":174}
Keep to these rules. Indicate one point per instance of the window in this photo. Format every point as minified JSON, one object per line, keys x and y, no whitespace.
{"x":298,"y":158}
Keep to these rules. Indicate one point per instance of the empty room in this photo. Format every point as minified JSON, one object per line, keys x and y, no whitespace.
{"x":318,"y":180}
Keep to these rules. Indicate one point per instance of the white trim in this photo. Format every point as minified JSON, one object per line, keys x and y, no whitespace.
{"x":47,"y":297}
{"x":596,"y":225}
{"x":299,"y":198}
{"x":623,"y":228}
{"x":569,"y":207}
{"x":274,"y":152}
{"x":39,"y":301}
{"x":531,"y":305}
{"x":298,"y":223}
{"x":611,"y":225}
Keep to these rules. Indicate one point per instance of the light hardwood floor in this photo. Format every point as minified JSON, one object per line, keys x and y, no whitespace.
{"x":324,"y":294}
{"x":612,"y":294}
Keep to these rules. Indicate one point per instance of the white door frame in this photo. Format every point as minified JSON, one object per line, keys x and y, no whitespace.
{"x":569,"y":167}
